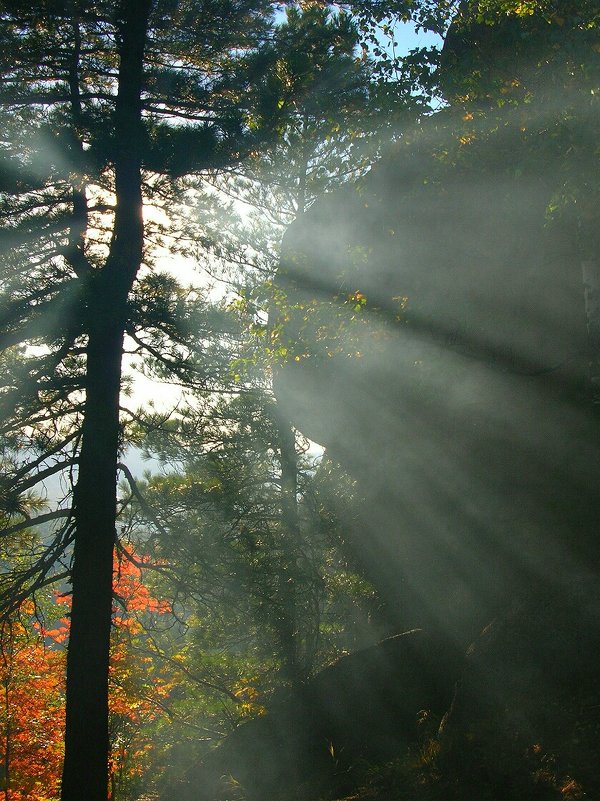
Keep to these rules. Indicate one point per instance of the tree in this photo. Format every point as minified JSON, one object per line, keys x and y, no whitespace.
{"x":329,"y":132}
{"x":102,"y":102}
{"x":32,"y":647}
{"x":105,"y":96}
{"x":222,"y":532}
{"x":32,"y":716}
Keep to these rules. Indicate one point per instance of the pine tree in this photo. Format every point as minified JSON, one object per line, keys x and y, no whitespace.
{"x":104,"y":106}
{"x":93,"y":104}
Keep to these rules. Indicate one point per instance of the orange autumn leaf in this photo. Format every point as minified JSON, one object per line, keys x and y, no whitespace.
{"x":32,"y":657}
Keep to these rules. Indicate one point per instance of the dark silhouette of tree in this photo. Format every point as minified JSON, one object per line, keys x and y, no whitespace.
{"x":103,"y":105}
{"x":94,"y":103}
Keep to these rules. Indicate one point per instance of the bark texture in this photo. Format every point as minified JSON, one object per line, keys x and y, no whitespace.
{"x":85,"y":773}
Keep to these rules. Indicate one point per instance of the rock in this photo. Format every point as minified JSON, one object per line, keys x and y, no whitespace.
{"x":364,"y":706}
{"x":440,"y":354}
{"x":525,"y":719}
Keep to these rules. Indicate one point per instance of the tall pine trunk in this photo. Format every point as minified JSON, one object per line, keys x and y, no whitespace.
{"x":288,"y":623}
{"x":85,"y":772}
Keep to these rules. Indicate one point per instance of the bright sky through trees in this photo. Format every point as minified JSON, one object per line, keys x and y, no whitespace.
{"x":401,"y":38}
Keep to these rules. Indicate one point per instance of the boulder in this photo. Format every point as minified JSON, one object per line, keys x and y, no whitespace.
{"x":438,"y":349}
{"x":525,"y":719}
{"x":363,"y":706}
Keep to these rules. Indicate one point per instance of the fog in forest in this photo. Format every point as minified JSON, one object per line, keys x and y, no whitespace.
{"x":300,"y":328}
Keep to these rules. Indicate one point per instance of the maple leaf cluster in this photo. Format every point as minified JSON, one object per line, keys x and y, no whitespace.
{"x":32,"y":667}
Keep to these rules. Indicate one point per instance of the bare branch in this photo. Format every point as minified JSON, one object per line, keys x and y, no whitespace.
{"x":144,"y":505}
{"x":36,"y":521}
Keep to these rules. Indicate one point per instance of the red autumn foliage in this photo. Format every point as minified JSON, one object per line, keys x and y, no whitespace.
{"x":32,"y":713}
{"x":32,"y":658}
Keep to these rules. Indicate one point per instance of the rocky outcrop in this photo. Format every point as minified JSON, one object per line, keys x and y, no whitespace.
{"x":364,"y":706}
{"x":439,"y":351}
{"x":525,"y":719}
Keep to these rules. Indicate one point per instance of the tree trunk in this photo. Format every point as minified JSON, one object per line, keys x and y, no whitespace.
{"x":303,"y":168}
{"x":288,"y":621}
{"x":85,"y":772}
{"x":590,"y":268}
{"x":293,"y":669}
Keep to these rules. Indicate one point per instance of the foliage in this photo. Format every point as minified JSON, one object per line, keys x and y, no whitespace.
{"x":248,"y":543}
{"x":226,"y":542}
{"x":32,"y":712}
{"x":32,"y":680}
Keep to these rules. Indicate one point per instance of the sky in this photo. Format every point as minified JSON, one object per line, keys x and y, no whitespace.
{"x":165,"y":396}
{"x":407,"y":38}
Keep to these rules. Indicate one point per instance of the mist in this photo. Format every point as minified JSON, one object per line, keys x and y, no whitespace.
{"x":337,"y":501}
